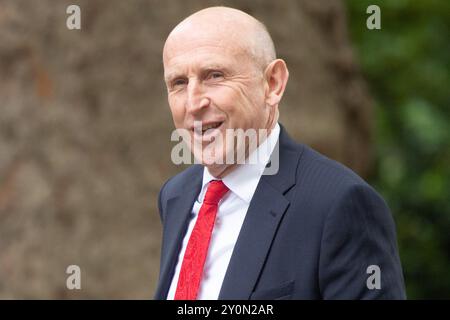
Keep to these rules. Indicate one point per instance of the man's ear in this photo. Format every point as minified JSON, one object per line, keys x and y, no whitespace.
{"x":276,"y":77}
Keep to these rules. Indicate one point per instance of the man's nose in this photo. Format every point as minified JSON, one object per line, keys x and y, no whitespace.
{"x":196,"y":100}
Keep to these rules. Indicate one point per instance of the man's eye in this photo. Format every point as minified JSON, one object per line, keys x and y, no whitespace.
{"x":215,"y":75}
{"x":178,"y":82}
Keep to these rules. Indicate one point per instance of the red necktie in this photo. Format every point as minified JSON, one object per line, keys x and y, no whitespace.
{"x":197,"y":247}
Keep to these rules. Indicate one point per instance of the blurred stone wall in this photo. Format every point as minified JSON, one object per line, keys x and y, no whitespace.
{"x":85,"y":131}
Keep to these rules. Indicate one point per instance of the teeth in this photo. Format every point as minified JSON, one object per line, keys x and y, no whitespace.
{"x":214,"y":125}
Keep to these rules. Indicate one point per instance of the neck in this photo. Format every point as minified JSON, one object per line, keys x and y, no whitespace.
{"x":221,"y":171}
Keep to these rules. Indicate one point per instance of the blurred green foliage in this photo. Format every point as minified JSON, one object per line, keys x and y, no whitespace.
{"x":407,"y":66}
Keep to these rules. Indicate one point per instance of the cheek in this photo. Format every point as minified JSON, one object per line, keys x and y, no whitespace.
{"x":221,"y":95}
{"x":247,"y":104}
{"x":233,"y":100}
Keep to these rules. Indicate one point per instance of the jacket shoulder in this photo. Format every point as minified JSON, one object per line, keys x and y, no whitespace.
{"x":177,"y":183}
{"x":328,"y":180}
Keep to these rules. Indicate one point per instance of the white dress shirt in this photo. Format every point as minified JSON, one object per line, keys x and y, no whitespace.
{"x":231,"y":213}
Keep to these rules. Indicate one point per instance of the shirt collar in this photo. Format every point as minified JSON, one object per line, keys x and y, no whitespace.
{"x":245,"y":178}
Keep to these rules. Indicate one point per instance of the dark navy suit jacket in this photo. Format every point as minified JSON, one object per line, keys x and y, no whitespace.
{"x":311,"y":231}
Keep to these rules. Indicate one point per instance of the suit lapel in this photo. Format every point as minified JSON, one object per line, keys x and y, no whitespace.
{"x":178,"y":208}
{"x":263,"y":217}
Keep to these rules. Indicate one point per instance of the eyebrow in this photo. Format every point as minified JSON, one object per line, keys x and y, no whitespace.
{"x":172,"y":75}
{"x":209,"y":67}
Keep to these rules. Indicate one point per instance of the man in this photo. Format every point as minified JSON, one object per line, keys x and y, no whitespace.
{"x":311,"y":230}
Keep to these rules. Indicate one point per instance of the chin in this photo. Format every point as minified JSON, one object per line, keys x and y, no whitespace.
{"x":213,"y":161}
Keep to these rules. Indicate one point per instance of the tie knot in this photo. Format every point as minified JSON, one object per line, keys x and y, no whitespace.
{"x":216,"y":190}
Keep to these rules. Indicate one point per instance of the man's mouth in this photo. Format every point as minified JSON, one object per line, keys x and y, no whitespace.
{"x":207,"y":129}
{"x":210,"y":126}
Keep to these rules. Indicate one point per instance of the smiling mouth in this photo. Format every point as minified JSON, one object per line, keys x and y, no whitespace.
{"x":214,"y":125}
{"x":207,"y":128}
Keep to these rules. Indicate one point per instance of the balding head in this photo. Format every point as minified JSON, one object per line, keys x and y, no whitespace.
{"x":229,"y":26}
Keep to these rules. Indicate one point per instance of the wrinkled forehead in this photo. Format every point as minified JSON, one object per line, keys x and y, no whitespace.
{"x":190,"y":39}
{"x":205,"y":51}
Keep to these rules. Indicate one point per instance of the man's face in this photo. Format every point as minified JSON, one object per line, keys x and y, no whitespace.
{"x":214,"y":80}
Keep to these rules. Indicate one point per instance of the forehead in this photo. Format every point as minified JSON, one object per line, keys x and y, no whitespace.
{"x":204,"y":57}
{"x":198,"y":51}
